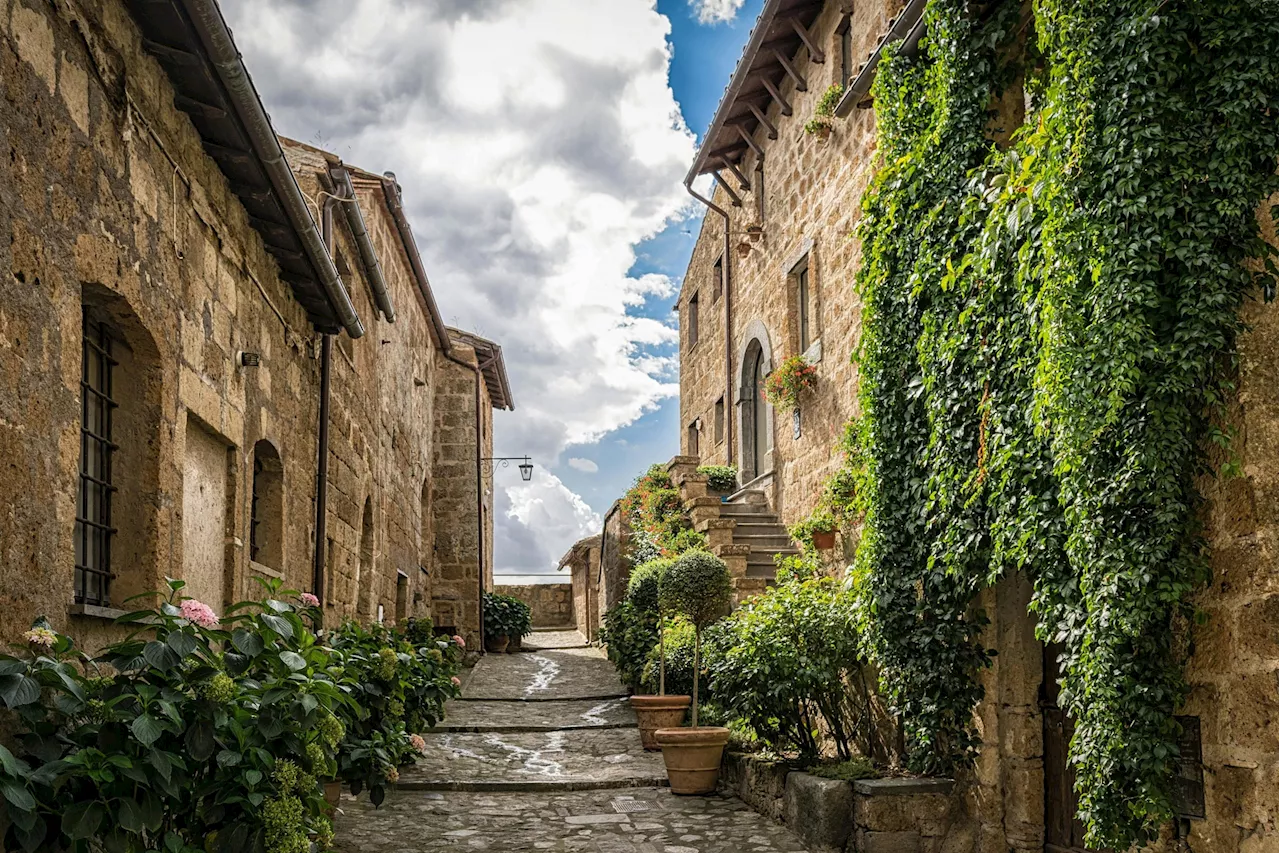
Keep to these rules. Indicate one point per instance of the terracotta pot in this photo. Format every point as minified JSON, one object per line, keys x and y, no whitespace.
{"x":332,"y":793}
{"x":693,"y":757}
{"x":515,"y":644}
{"x":496,"y":645}
{"x":823,"y":133}
{"x":824,"y":540}
{"x":658,"y":712}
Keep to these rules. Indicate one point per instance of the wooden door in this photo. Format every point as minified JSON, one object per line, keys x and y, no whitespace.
{"x":1063,"y":833}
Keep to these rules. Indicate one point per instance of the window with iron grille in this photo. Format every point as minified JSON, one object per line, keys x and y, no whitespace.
{"x":255,"y":510}
{"x":94,"y":529}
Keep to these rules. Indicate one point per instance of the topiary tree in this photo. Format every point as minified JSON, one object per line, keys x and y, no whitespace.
{"x":697,"y":587}
{"x":642,"y":592}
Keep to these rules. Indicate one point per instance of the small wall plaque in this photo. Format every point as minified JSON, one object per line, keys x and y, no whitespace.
{"x":1188,"y":782}
{"x":795,"y":424}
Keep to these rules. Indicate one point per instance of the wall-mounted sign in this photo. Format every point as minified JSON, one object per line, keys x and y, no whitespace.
{"x":795,"y":424}
{"x":1188,"y":781}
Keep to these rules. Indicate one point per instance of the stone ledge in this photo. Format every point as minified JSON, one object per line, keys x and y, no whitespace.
{"x":902,"y":786}
{"x":93,"y":611}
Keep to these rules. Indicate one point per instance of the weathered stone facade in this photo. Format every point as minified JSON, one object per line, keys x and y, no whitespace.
{"x":550,"y":604}
{"x":583,"y":563}
{"x":119,"y":222}
{"x":806,"y":194}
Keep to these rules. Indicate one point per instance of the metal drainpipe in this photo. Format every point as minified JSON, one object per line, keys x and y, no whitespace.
{"x":728,"y":325}
{"x":475,"y":368}
{"x":322,"y":438}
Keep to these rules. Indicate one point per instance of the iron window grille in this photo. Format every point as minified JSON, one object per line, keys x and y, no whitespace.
{"x":94,"y":529}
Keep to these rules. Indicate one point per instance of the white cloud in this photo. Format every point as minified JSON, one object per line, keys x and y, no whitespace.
{"x":584,"y":465}
{"x":537,"y":142}
{"x":716,"y":11}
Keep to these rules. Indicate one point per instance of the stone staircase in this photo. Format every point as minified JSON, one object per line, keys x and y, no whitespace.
{"x":743,"y":531}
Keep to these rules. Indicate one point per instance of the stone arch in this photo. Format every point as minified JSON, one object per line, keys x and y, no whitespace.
{"x":755,"y":416}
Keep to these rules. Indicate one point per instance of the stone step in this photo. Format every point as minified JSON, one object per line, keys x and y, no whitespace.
{"x":745,"y":509}
{"x":486,"y":715}
{"x":763,"y":541}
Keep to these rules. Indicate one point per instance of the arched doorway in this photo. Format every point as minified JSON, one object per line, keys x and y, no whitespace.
{"x":755,"y":421}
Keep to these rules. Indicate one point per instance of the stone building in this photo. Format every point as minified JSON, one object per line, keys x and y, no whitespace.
{"x":191,"y":310}
{"x":772,"y":276}
{"x":583,"y":562}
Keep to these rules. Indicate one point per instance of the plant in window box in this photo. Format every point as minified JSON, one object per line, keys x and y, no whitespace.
{"x":823,"y":121}
{"x":783,"y":387}
{"x":720,"y":478}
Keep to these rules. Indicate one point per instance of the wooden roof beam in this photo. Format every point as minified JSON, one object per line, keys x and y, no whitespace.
{"x":801,"y":84}
{"x":763,"y":119}
{"x":725,"y":151}
{"x":815,"y":52}
{"x":742,"y":181}
{"x":783,"y":105}
{"x":750,"y":140}
{"x":724,"y":185}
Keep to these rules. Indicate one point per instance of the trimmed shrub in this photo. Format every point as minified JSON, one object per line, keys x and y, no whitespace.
{"x":628,"y":635}
{"x":697,"y":587}
{"x":677,"y":638}
{"x":720,"y":478}
{"x":506,"y":615}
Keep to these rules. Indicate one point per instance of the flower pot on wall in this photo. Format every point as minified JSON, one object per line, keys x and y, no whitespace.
{"x":692,"y":757}
{"x":658,"y":712}
{"x":824,"y":540}
{"x":496,"y":644}
{"x":744,"y":249}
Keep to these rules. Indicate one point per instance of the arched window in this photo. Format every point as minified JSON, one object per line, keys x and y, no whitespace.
{"x":120,"y":391}
{"x":266,"y":508}
{"x":364,"y":578}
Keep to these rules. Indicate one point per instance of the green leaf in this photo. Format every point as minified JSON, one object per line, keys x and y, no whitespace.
{"x":278,"y":624}
{"x":160,"y":656}
{"x":18,"y":690}
{"x":129,"y":816}
{"x":12,"y":764}
{"x":246,"y":642}
{"x":199,"y":740}
{"x":18,"y":796}
{"x":293,"y":660}
{"x":146,"y":729}
{"x":81,"y":820}
{"x":32,"y":837}
{"x":229,"y":758}
{"x":181,"y":642}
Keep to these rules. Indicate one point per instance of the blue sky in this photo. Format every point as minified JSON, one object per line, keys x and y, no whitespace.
{"x":703,"y":58}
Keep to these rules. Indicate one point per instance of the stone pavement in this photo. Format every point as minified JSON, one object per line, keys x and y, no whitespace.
{"x":542,"y":753}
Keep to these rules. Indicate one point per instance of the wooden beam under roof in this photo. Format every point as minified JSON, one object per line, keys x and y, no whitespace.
{"x":724,"y":185}
{"x":815,"y":52}
{"x":783,"y":104}
{"x":763,"y":119}
{"x":801,"y":84}
{"x":742,"y":180}
{"x":725,"y":150}
{"x":749,"y":139}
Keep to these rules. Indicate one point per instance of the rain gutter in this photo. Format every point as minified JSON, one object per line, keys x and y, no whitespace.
{"x":368,"y":257}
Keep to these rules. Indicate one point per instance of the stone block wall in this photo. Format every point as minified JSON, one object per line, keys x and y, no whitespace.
{"x":615,"y":565}
{"x":551,"y":604}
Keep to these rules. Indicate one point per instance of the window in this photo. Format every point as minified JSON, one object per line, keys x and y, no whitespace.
{"x":692,"y":449}
{"x":759,"y":192}
{"x":717,"y":279}
{"x":802,"y":295}
{"x":364,"y":577}
{"x":402,"y":596}
{"x":719,"y":421}
{"x":93,"y":529}
{"x":693,"y":320}
{"x":266,"y":507}
{"x":846,"y":52}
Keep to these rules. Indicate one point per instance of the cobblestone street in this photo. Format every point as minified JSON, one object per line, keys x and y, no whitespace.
{"x":542,"y":753}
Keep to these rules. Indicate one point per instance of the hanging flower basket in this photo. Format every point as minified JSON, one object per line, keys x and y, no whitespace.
{"x":755,"y":232}
{"x":782,"y":387}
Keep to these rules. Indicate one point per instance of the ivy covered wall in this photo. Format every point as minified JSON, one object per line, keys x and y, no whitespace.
{"x":1049,"y":370}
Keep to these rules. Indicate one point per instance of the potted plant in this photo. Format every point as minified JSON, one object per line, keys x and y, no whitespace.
{"x":659,"y":711}
{"x":744,"y":249}
{"x":782,"y":387}
{"x":720,"y":478}
{"x":817,"y":531}
{"x":824,"y":111}
{"x":498,"y":619}
{"x":521,"y":624}
{"x":695,"y":586}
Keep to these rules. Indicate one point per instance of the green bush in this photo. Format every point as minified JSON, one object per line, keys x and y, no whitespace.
{"x":720,"y":478}
{"x":194,"y":734}
{"x":628,"y":635}
{"x":659,"y":526}
{"x":642,"y":586}
{"x":789,"y":663}
{"x":677,"y":638}
{"x":506,"y":615}
{"x":848,"y":771}
{"x":697,"y":587}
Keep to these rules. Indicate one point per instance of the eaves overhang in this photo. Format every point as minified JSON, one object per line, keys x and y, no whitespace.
{"x":492,"y":366}
{"x":191,"y":41}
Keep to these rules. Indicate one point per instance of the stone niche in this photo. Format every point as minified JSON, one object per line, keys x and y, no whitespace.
{"x":901,"y":815}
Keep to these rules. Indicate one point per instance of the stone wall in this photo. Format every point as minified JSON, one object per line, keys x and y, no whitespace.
{"x":811,"y":198}
{"x":551,"y":603}
{"x":112,"y":210}
{"x":583,"y":562}
{"x":615,"y":567}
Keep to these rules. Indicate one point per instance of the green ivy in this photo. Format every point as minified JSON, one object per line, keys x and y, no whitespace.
{"x":1048,"y":349}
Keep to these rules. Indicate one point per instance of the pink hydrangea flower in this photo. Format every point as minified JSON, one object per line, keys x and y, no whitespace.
{"x":461,"y":643}
{"x":198,"y":613}
{"x":418,"y":743}
{"x":392,"y":774}
{"x":309,"y":600}
{"x":42,"y":637}
{"x":457,"y":682}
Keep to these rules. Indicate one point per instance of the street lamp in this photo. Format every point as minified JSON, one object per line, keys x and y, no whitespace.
{"x":526,"y":470}
{"x":525,"y":466}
